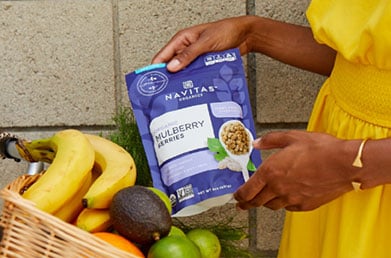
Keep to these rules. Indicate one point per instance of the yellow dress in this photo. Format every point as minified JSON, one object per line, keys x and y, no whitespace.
{"x":353,"y":103}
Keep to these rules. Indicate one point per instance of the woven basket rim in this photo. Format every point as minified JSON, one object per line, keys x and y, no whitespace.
{"x":11,"y":196}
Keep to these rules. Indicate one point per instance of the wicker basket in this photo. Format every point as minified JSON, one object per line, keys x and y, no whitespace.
{"x":30,"y":232}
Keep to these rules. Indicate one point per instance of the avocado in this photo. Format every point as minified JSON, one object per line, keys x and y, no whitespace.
{"x":140,"y":215}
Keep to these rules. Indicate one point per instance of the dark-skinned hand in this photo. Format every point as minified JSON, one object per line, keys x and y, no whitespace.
{"x":307,"y":171}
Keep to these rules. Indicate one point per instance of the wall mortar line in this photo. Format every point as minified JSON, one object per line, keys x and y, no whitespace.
{"x":117,"y":57}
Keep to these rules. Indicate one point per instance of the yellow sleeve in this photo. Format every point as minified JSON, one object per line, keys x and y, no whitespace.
{"x":360,"y":30}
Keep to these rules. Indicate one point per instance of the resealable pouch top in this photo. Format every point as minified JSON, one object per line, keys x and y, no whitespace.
{"x":196,"y":127}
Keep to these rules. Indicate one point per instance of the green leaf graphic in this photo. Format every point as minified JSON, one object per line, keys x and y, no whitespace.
{"x":214,"y":145}
{"x":251,"y":166}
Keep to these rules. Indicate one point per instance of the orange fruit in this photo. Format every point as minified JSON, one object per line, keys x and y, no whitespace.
{"x":119,"y":242}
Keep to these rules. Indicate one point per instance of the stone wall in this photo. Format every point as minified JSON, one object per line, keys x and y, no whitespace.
{"x":63,"y":63}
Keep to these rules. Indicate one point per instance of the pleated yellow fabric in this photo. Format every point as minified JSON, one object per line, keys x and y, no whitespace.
{"x":359,"y":29}
{"x":354,"y":103}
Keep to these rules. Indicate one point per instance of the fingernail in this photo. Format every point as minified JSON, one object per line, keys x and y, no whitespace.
{"x":173,"y":65}
{"x":257,"y":141}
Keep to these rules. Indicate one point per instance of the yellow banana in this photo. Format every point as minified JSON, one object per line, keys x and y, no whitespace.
{"x":71,"y":209}
{"x":118,"y":171}
{"x":94,"y":220}
{"x":69,"y":169}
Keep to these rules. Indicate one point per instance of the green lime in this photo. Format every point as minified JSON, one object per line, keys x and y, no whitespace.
{"x":207,"y":242}
{"x":174,"y":247}
{"x":162,"y":196}
{"x":175,"y":231}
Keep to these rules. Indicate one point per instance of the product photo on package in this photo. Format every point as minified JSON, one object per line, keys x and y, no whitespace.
{"x":197,"y":129}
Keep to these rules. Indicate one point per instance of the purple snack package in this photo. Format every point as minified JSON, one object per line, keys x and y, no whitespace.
{"x":197,"y":129}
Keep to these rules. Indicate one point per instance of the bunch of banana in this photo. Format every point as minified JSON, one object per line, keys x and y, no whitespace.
{"x":85,"y":172}
{"x":118,"y":171}
{"x":71,"y":156}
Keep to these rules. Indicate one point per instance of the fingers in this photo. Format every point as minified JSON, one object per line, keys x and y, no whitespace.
{"x":185,"y":57}
{"x":191,"y":42}
{"x":275,"y":140}
{"x":258,"y":190}
{"x":165,"y":54}
{"x":296,"y":176}
{"x":182,"y":49}
{"x":250,"y":190}
{"x":271,"y":200}
{"x":177,"y":60}
{"x":260,"y":199}
{"x":175,"y":57}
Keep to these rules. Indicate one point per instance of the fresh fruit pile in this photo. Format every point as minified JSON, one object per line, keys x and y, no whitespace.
{"x":90,"y":183}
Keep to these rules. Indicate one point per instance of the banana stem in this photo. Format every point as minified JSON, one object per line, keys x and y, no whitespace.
{"x":38,"y":150}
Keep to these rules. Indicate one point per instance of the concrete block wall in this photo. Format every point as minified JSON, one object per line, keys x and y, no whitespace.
{"x":63,"y":63}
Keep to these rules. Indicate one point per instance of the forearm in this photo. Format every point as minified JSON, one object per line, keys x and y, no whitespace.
{"x":290,"y":44}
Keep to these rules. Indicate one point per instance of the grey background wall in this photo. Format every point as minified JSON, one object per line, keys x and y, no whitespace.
{"x":63,"y":63}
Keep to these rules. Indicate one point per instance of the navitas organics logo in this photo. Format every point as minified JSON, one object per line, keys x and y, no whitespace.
{"x":152,"y":83}
{"x":190,"y":91}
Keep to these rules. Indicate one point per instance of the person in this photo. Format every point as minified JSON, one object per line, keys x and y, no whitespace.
{"x":334,"y":178}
